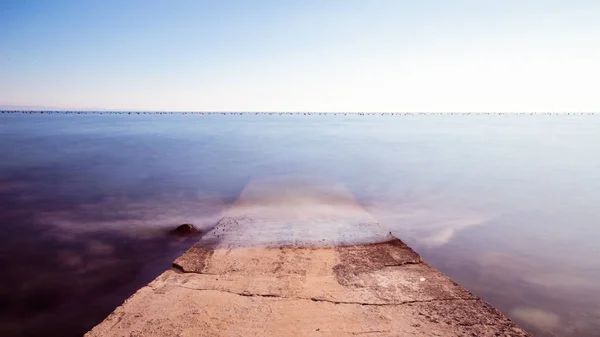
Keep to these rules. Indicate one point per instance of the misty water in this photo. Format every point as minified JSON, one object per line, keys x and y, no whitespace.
{"x":508,"y":206}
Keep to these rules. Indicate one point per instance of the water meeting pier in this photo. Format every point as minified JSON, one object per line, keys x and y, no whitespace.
{"x":288,"y":259}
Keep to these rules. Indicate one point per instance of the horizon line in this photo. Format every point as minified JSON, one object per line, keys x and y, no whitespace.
{"x":101,"y":111}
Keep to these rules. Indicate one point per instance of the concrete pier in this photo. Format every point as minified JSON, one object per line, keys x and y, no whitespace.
{"x":293,"y":259}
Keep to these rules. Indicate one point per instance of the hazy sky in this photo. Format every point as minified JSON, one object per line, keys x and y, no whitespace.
{"x":302,"y":55}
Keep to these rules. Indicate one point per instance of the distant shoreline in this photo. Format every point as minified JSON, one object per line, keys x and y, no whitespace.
{"x":139,"y":112}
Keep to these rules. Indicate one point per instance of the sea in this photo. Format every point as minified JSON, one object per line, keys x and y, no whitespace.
{"x":508,"y":205}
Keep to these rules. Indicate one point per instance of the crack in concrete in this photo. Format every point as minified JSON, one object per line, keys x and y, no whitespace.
{"x":179,"y":269}
{"x":316,"y":299}
{"x":402,"y":264}
{"x":369,"y":332}
{"x":396,"y":303}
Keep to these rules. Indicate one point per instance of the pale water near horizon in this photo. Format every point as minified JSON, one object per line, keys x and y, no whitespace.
{"x":505,"y":205}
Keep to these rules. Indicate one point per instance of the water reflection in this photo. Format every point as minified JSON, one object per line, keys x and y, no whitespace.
{"x":507,"y":206}
{"x":546,"y":299}
{"x":68,"y":262}
{"x":62,"y":285}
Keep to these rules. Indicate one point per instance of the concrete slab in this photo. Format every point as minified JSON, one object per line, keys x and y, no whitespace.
{"x":295,"y":212}
{"x":291,"y":259}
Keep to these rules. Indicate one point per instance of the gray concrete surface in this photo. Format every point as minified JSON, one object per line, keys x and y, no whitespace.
{"x":294,"y":259}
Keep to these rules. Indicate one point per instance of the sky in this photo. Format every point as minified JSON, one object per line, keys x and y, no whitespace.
{"x":301,"y":55}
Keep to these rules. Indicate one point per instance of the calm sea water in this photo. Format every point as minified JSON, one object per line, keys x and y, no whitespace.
{"x":509,"y":206}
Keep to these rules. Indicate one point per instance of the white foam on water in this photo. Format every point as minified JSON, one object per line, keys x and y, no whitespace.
{"x":134,"y":218}
{"x":291,"y":210}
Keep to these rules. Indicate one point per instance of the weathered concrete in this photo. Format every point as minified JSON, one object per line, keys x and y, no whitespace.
{"x":311,"y":263}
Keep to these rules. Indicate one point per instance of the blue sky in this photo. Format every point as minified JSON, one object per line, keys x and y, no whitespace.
{"x":309,"y":55}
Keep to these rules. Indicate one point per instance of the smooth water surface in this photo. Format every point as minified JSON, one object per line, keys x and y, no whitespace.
{"x":506,"y":205}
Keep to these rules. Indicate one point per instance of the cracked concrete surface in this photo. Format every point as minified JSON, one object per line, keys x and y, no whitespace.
{"x":302,"y":268}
